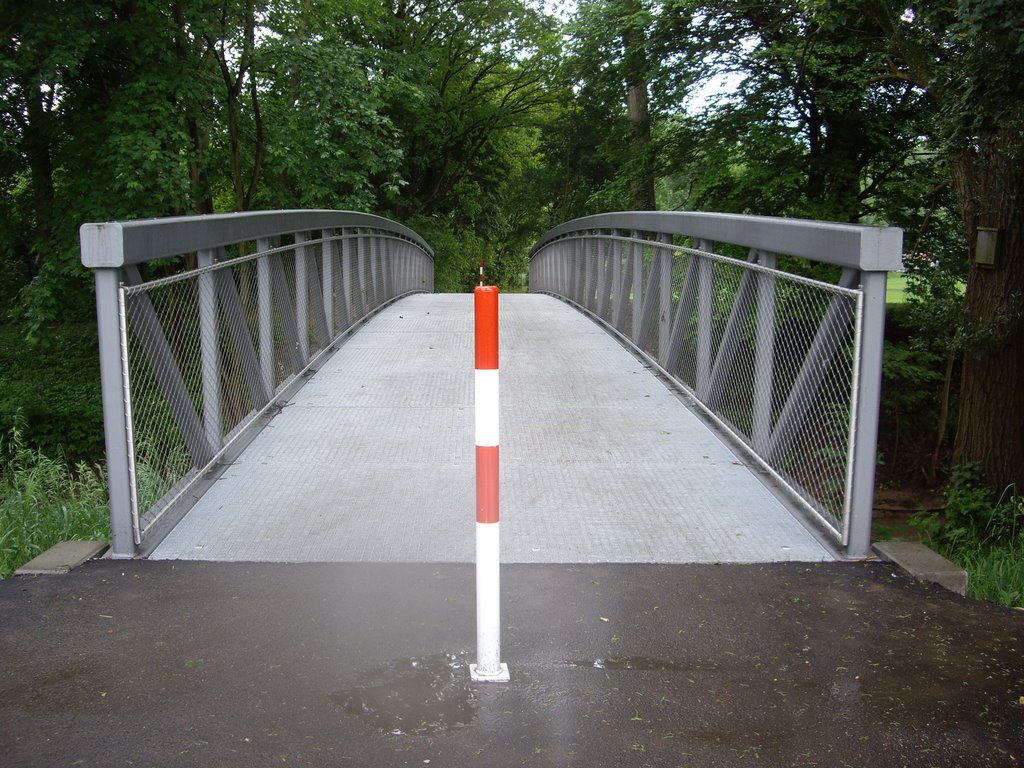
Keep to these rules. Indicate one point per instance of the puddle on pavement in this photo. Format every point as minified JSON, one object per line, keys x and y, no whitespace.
{"x":641,"y":663}
{"x":422,"y":695}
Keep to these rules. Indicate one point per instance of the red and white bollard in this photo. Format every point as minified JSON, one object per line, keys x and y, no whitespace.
{"x":481,"y":273}
{"x":488,"y":667}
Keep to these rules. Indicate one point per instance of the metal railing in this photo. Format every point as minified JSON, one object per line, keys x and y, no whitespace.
{"x":789,"y":366}
{"x":197,"y":350}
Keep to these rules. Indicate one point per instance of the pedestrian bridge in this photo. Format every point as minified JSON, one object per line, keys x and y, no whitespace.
{"x":283,"y":386}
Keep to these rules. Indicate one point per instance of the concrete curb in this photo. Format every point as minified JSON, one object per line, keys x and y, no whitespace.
{"x":924,"y":564}
{"x":62,"y":557}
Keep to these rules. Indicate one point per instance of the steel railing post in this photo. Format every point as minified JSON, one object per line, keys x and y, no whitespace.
{"x":373,"y":243}
{"x":265,"y":311}
{"x":665,"y":316}
{"x":327,"y":278}
{"x":589,"y":271}
{"x":209,"y":349}
{"x":348,"y":285}
{"x":705,"y":317}
{"x":361,"y":272}
{"x":115,"y":422}
{"x":302,"y":292}
{"x":764,"y":356}
{"x":636,"y":256}
{"x":868,"y":396}
{"x":618,"y":300}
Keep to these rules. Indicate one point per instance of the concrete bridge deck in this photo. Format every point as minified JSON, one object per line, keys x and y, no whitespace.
{"x":373,"y":460}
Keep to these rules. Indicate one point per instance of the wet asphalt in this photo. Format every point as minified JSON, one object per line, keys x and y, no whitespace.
{"x":231,"y":664}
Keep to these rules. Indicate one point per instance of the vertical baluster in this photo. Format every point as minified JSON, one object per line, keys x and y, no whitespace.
{"x":302,"y":292}
{"x":705,"y":317}
{"x":266,"y":319}
{"x":665,"y":315}
{"x":764,"y":360}
{"x":209,"y":350}
{"x":327,"y":280}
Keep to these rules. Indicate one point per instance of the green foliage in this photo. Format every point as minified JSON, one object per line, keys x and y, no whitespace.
{"x":53,"y":392}
{"x":983,"y":43}
{"x":158,"y":471}
{"x":330,"y":144}
{"x":582,"y":146}
{"x":615,"y":41}
{"x":629,"y":64}
{"x":44,"y":501}
{"x":93,"y":124}
{"x":923,"y":353}
{"x":457,"y":254}
{"x":813,"y":131}
{"x":911,"y":380}
{"x":985,"y":536}
{"x":969,"y":516}
{"x":966,"y":57}
{"x":463,"y":86}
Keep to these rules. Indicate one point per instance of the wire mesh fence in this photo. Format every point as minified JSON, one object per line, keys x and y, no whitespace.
{"x":771,"y":356}
{"x":207,"y":351}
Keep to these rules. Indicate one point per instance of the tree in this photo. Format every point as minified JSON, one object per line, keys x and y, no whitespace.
{"x":461,"y":76}
{"x":330,"y":143}
{"x":969,"y":55}
{"x":466,"y":86}
{"x":92,"y":130}
{"x":631,"y":60}
{"x":813,"y":132}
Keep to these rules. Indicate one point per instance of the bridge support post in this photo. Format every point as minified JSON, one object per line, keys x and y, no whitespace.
{"x":488,"y":593}
{"x":867,"y":404}
{"x":123,"y":518}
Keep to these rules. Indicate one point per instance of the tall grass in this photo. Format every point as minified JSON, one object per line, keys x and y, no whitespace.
{"x":995,"y":573}
{"x":44,"y":501}
{"x":983,"y":536}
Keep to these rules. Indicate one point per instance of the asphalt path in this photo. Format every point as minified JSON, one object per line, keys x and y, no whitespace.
{"x":143,"y":663}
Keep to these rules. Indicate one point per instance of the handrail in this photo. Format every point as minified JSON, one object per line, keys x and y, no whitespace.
{"x":869,"y":249}
{"x":122,"y":243}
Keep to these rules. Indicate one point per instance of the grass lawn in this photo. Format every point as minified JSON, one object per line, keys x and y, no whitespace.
{"x":896,"y":288}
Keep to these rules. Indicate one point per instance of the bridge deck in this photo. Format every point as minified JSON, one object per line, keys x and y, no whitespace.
{"x":373,"y":460}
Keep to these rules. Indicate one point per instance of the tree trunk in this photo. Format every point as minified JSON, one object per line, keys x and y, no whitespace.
{"x":37,"y":147}
{"x":990,"y":186}
{"x":259,"y":143}
{"x":641,"y":185}
{"x":199,"y":135}
{"x":943,"y":423}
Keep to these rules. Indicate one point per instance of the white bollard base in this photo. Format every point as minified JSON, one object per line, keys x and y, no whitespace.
{"x":501,"y":676}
